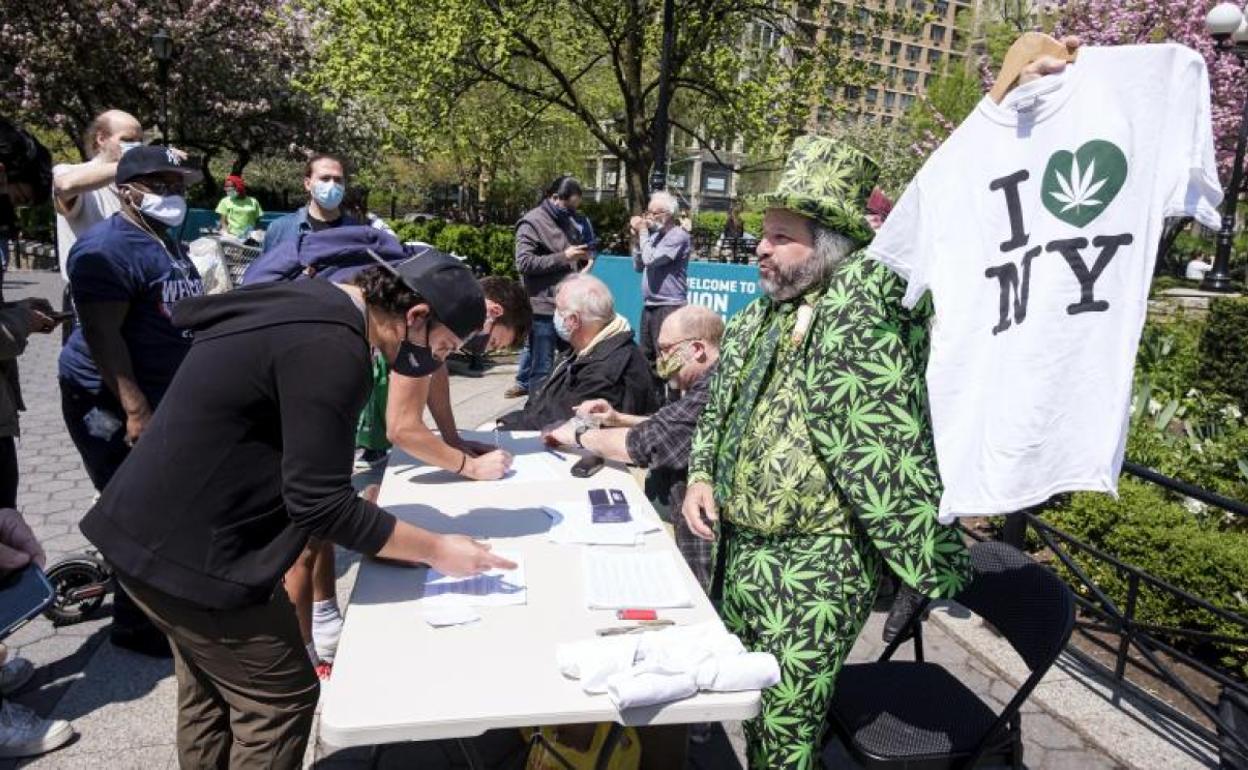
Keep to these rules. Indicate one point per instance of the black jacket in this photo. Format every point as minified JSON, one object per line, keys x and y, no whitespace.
{"x":614,"y":370}
{"x":250,"y":451}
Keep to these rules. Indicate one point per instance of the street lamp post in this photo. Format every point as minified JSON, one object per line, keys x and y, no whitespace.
{"x":1227,"y":25}
{"x":162,"y":49}
{"x":658,"y":176}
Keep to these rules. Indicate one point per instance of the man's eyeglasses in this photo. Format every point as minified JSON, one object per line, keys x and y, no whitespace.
{"x":161,"y":188}
{"x":669,"y":347}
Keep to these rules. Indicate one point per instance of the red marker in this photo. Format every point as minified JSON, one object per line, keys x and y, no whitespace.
{"x":637,"y":615}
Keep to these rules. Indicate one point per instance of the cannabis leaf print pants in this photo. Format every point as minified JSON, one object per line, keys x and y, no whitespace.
{"x":803,"y":598}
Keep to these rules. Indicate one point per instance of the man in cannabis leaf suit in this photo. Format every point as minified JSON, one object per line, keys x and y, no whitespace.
{"x":815,"y":449}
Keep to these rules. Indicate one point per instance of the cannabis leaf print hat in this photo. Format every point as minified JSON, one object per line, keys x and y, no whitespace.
{"x":827,"y":181}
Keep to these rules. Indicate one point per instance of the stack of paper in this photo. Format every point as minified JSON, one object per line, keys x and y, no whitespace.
{"x":573,"y":522}
{"x":622,"y":580}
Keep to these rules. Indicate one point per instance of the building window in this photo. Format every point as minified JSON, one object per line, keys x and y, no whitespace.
{"x":864,"y":17}
{"x":852,"y":92}
{"x":890,"y":99}
{"x":825,"y":115}
{"x":873,"y":95}
{"x":859,"y":41}
{"x":835,"y":36}
{"x":906,"y":101}
{"x":936,"y":33}
{"x":913,"y":52}
{"x":894,"y":47}
{"x":918,"y":6}
{"x":887,"y":120}
{"x":911,"y":78}
{"x":933,"y":57}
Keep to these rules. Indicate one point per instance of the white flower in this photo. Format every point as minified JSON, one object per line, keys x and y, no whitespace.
{"x":1193,"y":506}
{"x":1231,"y":412}
{"x":1154,"y":406}
{"x":1078,"y":188}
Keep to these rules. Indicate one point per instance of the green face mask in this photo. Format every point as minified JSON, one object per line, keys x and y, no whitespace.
{"x":670,"y":364}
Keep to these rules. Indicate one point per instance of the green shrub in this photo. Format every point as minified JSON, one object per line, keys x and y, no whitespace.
{"x":610,"y":222}
{"x":490,"y":250}
{"x":753,"y":222}
{"x":1224,"y":349}
{"x":711,"y":221}
{"x":1150,"y":529}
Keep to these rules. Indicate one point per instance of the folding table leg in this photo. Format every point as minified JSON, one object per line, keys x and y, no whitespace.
{"x":471,"y":756}
{"x":608,"y":746}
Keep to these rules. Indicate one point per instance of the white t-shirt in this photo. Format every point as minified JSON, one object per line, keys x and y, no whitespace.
{"x":1035,"y":226}
{"x":88,"y":209}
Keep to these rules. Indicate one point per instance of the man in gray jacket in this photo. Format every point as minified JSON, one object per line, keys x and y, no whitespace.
{"x":661,"y":252}
{"x":553,"y":241}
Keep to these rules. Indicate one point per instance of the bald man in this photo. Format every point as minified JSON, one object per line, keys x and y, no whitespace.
{"x":84,"y":193}
{"x":688,"y":350}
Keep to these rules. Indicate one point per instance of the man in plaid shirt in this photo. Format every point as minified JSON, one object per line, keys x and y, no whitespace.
{"x":688,"y":350}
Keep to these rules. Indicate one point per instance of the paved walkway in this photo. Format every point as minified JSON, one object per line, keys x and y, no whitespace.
{"x":123,"y":704}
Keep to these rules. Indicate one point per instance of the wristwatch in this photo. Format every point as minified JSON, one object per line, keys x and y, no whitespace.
{"x":582,"y":427}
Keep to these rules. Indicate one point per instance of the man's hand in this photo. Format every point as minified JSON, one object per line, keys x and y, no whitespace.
{"x":1048,"y":65}
{"x":136,"y":423}
{"x":18,"y":546}
{"x":576,"y":253}
{"x":564,"y":433}
{"x":40,"y":313}
{"x":598,"y":410}
{"x":638,"y":224}
{"x":461,"y":556}
{"x":699,"y":509}
{"x":488,"y":467}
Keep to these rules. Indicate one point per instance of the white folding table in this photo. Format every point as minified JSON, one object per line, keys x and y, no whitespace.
{"x":398,"y":679}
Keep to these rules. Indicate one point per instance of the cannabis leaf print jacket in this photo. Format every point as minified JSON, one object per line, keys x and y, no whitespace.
{"x":865,"y":406}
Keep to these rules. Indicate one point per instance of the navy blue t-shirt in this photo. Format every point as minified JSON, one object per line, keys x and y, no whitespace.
{"x":117,"y":261}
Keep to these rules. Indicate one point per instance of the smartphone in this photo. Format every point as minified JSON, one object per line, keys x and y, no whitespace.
{"x":23,"y":594}
{"x":587,"y":466}
{"x":609,"y":506}
{"x":62,"y":317}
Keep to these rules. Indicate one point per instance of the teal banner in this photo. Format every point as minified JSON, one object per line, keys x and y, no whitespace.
{"x":723,"y":288}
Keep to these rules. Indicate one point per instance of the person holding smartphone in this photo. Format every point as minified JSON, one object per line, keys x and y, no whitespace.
{"x":553,"y":240}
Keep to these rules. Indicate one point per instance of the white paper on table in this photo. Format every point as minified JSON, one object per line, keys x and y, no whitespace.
{"x":496,"y":588}
{"x":574,"y":523}
{"x":440,"y":617}
{"x":526,"y":468}
{"x":621,"y":580}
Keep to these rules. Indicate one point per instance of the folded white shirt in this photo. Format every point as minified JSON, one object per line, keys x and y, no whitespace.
{"x":593,"y":660}
{"x":732,"y":673}
{"x":632,"y":689}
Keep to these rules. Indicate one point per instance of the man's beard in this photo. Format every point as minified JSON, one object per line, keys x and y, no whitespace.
{"x":792,"y":281}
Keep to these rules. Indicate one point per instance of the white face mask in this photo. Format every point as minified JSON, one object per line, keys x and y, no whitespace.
{"x":169,"y":210}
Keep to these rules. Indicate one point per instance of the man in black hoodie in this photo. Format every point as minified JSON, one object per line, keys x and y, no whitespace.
{"x":250,"y":455}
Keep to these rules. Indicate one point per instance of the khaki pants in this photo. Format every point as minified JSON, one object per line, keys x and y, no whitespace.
{"x":246,"y":688}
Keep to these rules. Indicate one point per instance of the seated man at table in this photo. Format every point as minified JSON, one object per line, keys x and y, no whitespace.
{"x":604,"y":363}
{"x":688,"y":351}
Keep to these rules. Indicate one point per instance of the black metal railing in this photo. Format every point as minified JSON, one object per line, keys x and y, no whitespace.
{"x":1142,"y":644}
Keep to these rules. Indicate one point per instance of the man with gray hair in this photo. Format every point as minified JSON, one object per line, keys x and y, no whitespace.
{"x":604,"y":362}
{"x":814,"y":454}
{"x":661,"y":249}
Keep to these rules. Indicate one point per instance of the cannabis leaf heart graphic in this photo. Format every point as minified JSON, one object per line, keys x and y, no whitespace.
{"x":1078,"y":186}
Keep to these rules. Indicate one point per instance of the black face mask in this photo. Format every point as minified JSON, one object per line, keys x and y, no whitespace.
{"x":415,"y":360}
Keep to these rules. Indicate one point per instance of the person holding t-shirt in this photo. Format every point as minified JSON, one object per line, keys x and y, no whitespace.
{"x":239,"y":212}
{"x":126,"y":275}
{"x":324,"y":177}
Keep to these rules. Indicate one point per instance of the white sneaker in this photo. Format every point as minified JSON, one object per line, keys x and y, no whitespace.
{"x":15,"y":674}
{"x":23,"y":733}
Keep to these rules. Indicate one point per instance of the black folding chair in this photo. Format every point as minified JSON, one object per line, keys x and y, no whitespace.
{"x":914,"y":715}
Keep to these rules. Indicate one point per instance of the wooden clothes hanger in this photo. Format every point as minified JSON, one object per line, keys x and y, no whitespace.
{"x":1027,"y":49}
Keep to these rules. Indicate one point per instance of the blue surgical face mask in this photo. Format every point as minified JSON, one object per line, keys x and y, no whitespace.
{"x":328,"y":194}
{"x":561,"y":327}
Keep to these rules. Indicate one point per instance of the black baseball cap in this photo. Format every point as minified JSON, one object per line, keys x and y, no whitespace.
{"x":447,"y":285}
{"x":153,"y":159}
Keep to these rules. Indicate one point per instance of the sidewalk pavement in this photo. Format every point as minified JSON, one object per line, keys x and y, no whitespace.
{"x":123,"y":705}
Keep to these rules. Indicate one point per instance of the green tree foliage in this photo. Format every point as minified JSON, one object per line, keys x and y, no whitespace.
{"x":594,"y":62}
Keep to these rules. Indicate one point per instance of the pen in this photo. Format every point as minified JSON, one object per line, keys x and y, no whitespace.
{"x":645,"y":625}
{"x":556,"y":454}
